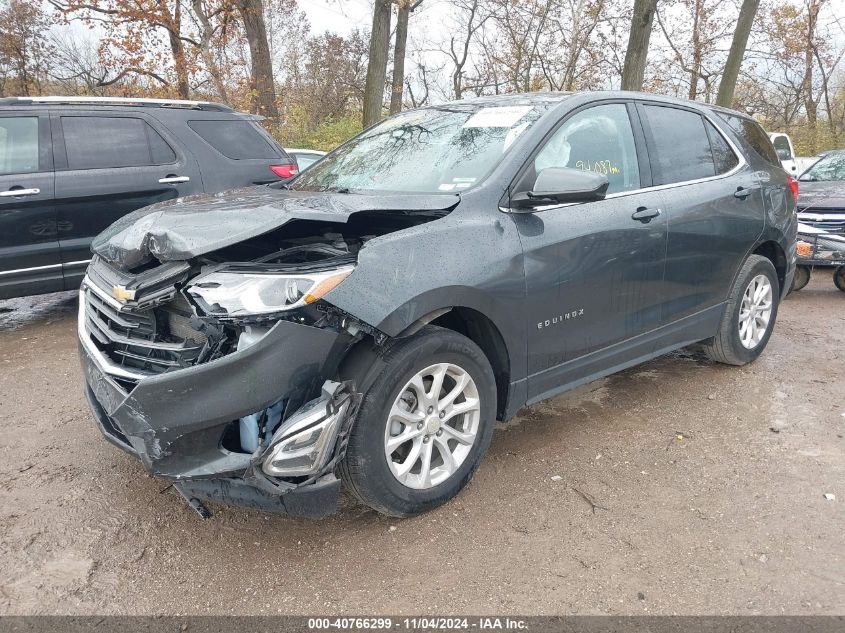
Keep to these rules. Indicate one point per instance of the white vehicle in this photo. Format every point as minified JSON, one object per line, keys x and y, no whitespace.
{"x":305,"y":157}
{"x":794,"y":165}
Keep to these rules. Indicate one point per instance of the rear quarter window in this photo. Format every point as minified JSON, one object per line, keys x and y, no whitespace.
{"x":751,"y":132}
{"x":238,"y":140}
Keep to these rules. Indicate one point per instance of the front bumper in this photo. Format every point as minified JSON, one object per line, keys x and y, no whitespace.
{"x":175,"y":422}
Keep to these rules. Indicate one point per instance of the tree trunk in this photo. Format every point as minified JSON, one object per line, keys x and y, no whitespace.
{"x":398,"y":80}
{"x":810,"y":105}
{"x":633,"y":71}
{"x":261,"y":64}
{"x":740,"y":41}
{"x":377,"y":63}
{"x":177,"y":49}
{"x":695,"y":73}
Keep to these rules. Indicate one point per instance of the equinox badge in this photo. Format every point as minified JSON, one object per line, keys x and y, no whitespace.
{"x":122,"y":294}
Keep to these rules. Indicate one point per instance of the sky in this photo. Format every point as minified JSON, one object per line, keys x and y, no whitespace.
{"x":342,"y":16}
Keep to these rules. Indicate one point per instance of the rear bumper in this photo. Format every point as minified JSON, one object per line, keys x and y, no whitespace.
{"x":175,"y":422}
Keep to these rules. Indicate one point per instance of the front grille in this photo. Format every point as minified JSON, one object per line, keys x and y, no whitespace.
{"x":142,"y":340}
{"x":835,"y":225}
{"x":145,"y":337}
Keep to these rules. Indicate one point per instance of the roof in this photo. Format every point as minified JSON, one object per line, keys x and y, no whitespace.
{"x":116,"y":101}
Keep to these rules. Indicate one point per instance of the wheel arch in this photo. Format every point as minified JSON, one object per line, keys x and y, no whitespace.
{"x":773,"y":251}
{"x":363,"y":361}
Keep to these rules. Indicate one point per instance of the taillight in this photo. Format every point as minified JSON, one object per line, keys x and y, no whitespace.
{"x":284,"y":171}
{"x":793,"y":187}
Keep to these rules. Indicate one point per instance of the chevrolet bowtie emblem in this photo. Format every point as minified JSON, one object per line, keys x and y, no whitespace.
{"x":122,"y":294}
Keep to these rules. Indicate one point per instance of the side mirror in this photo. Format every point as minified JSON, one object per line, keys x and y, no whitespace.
{"x":562,"y":184}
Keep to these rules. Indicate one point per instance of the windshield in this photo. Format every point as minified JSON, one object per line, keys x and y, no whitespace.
{"x":830,"y":167}
{"x":439,"y":149}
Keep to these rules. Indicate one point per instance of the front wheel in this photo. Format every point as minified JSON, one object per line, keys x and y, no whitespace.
{"x":423,"y":425}
{"x":839,"y":278}
{"x":749,"y":316}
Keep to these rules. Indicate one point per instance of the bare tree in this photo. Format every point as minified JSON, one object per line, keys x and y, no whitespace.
{"x":636,"y":53}
{"x":472,"y":18}
{"x":377,"y":64}
{"x":204,"y":42}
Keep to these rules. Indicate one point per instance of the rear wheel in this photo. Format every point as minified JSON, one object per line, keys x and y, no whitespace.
{"x":802,"y":277}
{"x":749,"y":315}
{"x":839,"y":278}
{"x":423,"y":425}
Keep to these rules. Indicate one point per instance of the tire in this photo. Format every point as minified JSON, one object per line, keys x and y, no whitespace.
{"x":727,"y":346}
{"x":366,"y":471}
{"x":801,"y":279}
{"x":839,"y":278}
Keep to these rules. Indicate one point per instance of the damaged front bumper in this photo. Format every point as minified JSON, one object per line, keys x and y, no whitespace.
{"x":177,"y":422}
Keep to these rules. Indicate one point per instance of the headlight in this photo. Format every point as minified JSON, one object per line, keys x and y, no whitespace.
{"x":227,"y":293}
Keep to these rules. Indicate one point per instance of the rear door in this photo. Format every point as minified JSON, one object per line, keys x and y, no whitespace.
{"x":713,"y":201}
{"x":29,"y":249}
{"x":109,"y":164}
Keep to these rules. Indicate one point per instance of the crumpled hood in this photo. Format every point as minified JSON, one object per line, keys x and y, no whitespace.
{"x":183,"y":228}
{"x":821,"y":196}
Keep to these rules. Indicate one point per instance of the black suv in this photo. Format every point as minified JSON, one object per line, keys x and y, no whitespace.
{"x":369,"y":321}
{"x":70,"y":166}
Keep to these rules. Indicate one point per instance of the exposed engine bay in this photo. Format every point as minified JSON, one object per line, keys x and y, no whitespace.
{"x":210,"y":351}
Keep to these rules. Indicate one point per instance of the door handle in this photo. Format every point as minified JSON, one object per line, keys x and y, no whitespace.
{"x":19,"y":193}
{"x":170,"y":179}
{"x":743,"y":192}
{"x":645,"y":215}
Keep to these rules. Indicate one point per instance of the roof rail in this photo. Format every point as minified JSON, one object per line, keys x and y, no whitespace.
{"x":121,"y":101}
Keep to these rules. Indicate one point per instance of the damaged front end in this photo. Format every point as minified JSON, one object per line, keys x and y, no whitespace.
{"x":209,"y":351}
{"x":207,"y":370}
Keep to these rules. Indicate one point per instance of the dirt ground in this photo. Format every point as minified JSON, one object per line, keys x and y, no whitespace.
{"x":708,"y":483}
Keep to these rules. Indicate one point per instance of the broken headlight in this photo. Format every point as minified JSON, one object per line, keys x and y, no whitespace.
{"x":228,"y":293}
{"x":303,"y":444}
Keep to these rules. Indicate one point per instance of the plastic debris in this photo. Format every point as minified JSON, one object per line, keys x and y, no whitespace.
{"x":556,"y":477}
{"x":830,"y":496}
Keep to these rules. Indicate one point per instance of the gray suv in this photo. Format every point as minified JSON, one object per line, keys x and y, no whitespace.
{"x":368,"y":322}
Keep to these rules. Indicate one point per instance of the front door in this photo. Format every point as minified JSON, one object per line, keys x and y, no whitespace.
{"x":594,"y":271}
{"x":108,"y":165}
{"x":29,"y":249}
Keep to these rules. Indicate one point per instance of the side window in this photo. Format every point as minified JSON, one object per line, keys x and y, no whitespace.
{"x":234,"y":139}
{"x":723,"y":156}
{"x":681,"y":145}
{"x":18,"y":145}
{"x":753,"y":134}
{"x":100,"y":142}
{"x":598,"y":139}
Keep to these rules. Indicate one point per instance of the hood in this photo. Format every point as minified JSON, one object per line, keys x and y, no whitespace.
{"x":183,"y":228}
{"x":821,"y":196}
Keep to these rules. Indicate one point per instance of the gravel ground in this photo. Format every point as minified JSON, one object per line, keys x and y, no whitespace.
{"x":684,"y":487}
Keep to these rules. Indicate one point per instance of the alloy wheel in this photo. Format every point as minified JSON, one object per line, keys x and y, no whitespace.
{"x":432,"y":426}
{"x":755,"y":312}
